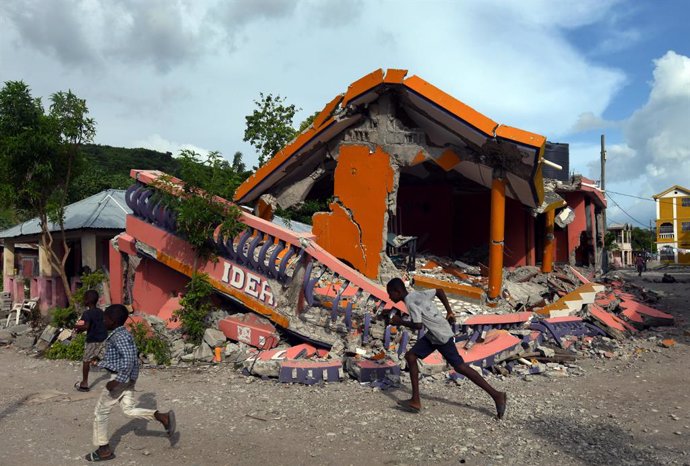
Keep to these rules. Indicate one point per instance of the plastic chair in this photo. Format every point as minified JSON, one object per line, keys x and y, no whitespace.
{"x":27,"y":306}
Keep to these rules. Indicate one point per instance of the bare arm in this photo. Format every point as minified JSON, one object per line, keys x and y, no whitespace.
{"x":397,"y":320}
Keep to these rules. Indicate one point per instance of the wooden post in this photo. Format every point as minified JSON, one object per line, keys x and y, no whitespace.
{"x":497,"y":229}
{"x":547,"y":260}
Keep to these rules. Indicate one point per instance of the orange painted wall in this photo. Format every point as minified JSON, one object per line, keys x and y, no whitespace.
{"x":362,"y":184}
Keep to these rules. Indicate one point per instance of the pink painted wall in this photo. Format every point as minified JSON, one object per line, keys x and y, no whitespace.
{"x":154,"y":285}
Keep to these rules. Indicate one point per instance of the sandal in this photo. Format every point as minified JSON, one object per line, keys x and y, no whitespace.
{"x":78,"y":387}
{"x":94,"y":457}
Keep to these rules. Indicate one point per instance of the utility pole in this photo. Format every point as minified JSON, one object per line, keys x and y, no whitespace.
{"x":602,"y":185}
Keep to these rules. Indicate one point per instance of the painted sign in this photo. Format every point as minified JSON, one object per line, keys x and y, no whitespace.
{"x":247,"y":282}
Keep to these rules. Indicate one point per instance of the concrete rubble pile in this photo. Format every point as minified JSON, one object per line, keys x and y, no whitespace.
{"x":542,"y":324}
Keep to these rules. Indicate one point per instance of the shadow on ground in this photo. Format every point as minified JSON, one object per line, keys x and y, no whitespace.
{"x":600,"y":443}
{"x":141,"y":427}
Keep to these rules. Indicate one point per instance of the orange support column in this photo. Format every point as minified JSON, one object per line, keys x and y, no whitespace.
{"x":497,"y":228}
{"x":547,"y":260}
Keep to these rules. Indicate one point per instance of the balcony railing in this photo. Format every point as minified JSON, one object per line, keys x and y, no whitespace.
{"x":665,"y":235}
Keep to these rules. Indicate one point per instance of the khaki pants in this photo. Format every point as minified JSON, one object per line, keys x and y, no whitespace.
{"x":123,"y":397}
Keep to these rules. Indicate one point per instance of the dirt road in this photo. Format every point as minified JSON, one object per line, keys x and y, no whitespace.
{"x":632,"y":409}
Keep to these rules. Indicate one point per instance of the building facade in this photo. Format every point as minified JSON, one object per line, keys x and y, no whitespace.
{"x":623,"y":255}
{"x":673,"y":225}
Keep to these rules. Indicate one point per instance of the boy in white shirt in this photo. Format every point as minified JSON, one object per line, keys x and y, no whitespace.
{"x":439,"y":336}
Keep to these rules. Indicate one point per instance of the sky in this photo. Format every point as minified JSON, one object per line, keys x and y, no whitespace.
{"x":173,"y":74}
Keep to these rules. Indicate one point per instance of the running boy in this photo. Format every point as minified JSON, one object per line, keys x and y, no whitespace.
{"x":120,"y":360}
{"x":439,"y":336}
{"x":91,"y":322}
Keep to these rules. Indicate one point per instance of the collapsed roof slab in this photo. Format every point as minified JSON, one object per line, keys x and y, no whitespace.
{"x":481,"y":144}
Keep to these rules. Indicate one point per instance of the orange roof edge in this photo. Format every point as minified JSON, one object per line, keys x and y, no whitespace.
{"x":672,"y":188}
{"x":326,"y":112}
{"x":521,"y":136}
{"x":453,"y":105}
{"x":274,"y":163}
{"x":394,"y":76}
{"x":363,"y":85}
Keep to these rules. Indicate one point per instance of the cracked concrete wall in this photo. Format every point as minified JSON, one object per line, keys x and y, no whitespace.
{"x":352,"y":231}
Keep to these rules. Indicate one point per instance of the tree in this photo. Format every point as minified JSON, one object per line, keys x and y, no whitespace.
{"x":39,"y":158}
{"x":269,"y":127}
{"x":237,"y":163}
{"x":643,"y":240}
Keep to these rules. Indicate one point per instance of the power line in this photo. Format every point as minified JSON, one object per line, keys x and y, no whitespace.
{"x":661,"y":201}
{"x":624,"y":211}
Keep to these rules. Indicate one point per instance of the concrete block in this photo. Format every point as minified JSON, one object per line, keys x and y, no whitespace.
{"x":66,"y":334}
{"x":432,"y":364}
{"x":214,"y":338}
{"x":20,"y":329}
{"x":311,"y":372}
{"x":6,"y":337}
{"x":25,"y":341}
{"x":365,"y":370}
{"x":49,"y":334}
{"x":250,"y":329}
{"x":203,"y":352}
{"x":262,"y":367}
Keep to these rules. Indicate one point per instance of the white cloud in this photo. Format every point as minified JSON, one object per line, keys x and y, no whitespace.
{"x":160,"y":144}
{"x":657,"y":140}
{"x":510,"y":61}
{"x":588,"y":121}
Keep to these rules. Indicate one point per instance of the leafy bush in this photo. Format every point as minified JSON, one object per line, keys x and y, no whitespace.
{"x":74,"y":350}
{"x":198,"y":211}
{"x":196,"y":307}
{"x":150,"y":344}
{"x":64,"y":317}
{"x":89,"y":281}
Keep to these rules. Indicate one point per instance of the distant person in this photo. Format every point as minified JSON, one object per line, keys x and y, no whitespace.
{"x":639,"y":264}
{"x":92,"y":323}
{"x":121,"y":360}
{"x":439,"y":336}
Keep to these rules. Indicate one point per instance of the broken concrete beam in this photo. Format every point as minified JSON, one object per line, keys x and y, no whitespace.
{"x":498,"y":319}
{"x":467,"y":292}
{"x":365,"y":370}
{"x":641,"y":315}
{"x":311,"y":372}
{"x":496,"y":347}
{"x":250,"y":329}
{"x":214,"y":338}
{"x":610,"y":323}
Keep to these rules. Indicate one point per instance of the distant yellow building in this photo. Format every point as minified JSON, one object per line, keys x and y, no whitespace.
{"x":673,"y":225}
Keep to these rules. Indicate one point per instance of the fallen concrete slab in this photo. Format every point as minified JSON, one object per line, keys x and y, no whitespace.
{"x":250,"y":329}
{"x":641,"y":315}
{"x":311,"y":372}
{"x":610,"y":323}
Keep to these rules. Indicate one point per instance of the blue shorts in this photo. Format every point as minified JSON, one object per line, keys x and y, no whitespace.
{"x":424,"y":347}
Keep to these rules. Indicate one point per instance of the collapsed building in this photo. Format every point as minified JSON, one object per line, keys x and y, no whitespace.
{"x":399,"y":158}
{"x":418,"y":185}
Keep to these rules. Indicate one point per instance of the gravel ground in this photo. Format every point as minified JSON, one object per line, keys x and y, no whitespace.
{"x":631,"y":409}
